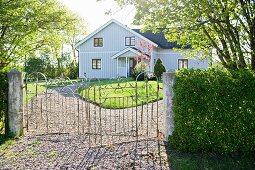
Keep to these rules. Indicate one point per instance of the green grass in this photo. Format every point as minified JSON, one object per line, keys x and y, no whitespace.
{"x":117,"y":95}
{"x":6,"y":141}
{"x":181,"y":160}
{"x":95,"y":82}
{"x":32,"y":90}
{"x":41,"y":87}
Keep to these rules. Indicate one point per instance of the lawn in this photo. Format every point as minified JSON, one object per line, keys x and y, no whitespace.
{"x":32,"y":90}
{"x":117,"y":95}
{"x":41,"y":87}
{"x":193,"y":161}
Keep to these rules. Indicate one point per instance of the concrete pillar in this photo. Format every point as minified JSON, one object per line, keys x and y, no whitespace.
{"x":15,"y":103}
{"x":168,"y":114}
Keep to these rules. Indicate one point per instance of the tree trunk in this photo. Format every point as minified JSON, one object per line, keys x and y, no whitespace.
{"x":252,"y":54}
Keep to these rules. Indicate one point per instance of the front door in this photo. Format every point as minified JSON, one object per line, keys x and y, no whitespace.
{"x":132,"y":64}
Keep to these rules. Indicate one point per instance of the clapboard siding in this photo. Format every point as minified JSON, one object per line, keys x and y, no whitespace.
{"x":108,"y":65}
{"x":113,"y":39}
{"x":170,"y":60}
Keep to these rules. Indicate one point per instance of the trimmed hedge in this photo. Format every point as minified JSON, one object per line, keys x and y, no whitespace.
{"x":3,"y":100}
{"x":214,"y":111}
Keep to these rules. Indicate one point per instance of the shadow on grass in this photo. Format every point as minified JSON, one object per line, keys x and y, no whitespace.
{"x":6,"y":140}
{"x":181,"y":160}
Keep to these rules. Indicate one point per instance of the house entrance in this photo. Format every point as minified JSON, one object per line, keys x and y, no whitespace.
{"x":126,"y":66}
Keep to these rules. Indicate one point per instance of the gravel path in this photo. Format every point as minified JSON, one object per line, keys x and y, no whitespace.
{"x":71,"y":152}
{"x":65,"y":132}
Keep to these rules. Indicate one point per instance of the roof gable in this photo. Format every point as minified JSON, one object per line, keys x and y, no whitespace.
{"x":126,"y":50}
{"x":121,"y":25}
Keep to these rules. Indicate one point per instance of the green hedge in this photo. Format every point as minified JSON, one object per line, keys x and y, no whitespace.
{"x":3,"y":100}
{"x":214,"y":111}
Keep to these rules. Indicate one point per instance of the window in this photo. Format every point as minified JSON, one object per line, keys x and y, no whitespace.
{"x":129,"y":41}
{"x":96,"y":64}
{"x":98,"y":42}
{"x":182,"y":63}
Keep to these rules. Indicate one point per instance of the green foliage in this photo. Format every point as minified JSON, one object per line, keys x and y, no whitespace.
{"x":226,"y":26}
{"x":3,"y":100}
{"x":139,"y":69}
{"x":73,"y":70}
{"x":159,"y":68}
{"x":35,"y":65}
{"x":35,"y":25}
{"x":47,"y":67}
{"x":214,"y":111}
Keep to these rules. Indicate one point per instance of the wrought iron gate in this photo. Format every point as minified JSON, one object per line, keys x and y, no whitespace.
{"x":106,"y":112}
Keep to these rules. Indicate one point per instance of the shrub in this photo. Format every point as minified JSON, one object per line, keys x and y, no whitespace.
{"x":140,"y":68}
{"x":35,"y":64}
{"x":159,"y":68}
{"x":214,"y":111}
{"x":73,"y":70}
{"x":3,"y":100}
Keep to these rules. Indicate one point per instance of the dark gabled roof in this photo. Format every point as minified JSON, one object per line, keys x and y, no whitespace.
{"x":160,"y":39}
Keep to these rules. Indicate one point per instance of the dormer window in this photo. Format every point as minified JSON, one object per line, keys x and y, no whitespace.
{"x":130,"y":41}
{"x":98,"y":42}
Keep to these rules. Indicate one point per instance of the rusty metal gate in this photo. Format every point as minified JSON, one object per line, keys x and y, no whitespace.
{"x":105,"y":112}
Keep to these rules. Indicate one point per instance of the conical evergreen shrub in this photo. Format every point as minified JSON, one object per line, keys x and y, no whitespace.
{"x":159,"y":68}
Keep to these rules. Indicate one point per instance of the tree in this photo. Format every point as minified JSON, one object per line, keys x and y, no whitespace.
{"x":228,"y":26}
{"x":31,"y":25}
{"x":159,"y":68}
{"x":35,"y":64}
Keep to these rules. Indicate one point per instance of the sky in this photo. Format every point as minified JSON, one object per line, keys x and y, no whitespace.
{"x":93,"y":12}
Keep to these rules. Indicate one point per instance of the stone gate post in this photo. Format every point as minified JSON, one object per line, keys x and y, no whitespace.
{"x":168,"y":114}
{"x":15,"y":103}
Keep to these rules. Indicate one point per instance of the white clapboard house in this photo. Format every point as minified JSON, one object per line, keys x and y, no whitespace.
{"x":112,"y":51}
